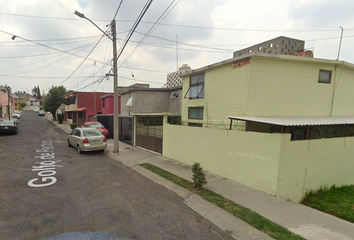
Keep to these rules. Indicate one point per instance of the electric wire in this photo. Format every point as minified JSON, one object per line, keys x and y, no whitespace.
{"x":146,"y":7}
{"x":151,"y":29}
{"x":83,"y":60}
{"x":186,"y":26}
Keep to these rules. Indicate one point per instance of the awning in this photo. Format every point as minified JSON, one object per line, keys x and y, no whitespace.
{"x":298,"y":121}
{"x":80,"y":109}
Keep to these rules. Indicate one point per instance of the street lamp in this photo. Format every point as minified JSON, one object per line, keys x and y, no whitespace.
{"x":115,"y":77}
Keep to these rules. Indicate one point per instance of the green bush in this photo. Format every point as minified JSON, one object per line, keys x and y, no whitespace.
{"x":198,"y":178}
{"x":73,"y":126}
{"x":60,"y":118}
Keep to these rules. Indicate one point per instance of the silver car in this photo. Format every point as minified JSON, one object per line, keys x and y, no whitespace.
{"x":87,"y":139}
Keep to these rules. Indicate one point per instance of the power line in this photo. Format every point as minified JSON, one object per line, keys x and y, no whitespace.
{"x":184,"y":26}
{"x":118,"y":9}
{"x":83,"y":60}
{"x":142,"y":13}
{"x":150,"y":31}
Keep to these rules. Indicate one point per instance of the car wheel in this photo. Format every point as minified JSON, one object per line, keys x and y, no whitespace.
{"x":79,"y":149}
{"x":69,"y":145}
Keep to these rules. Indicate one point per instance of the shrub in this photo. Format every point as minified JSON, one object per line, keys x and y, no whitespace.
{"x":60,"y":118}
{"x":198,"y":178}
{"x":73,"y":126}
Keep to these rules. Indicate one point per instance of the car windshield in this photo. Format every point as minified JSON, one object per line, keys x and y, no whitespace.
{"x":91,"y":133}
{"x":16,"y":112}
{"x":96,"y":125}
{"x":7,"y":123}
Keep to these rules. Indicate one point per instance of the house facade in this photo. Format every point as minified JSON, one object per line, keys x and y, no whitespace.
{"x":231,"y":122}
{"x":81,"y":107}
{"x":145,"y":110}
{"x":6,"y":102}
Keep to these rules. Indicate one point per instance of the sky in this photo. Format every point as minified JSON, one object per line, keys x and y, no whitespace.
{"x":54,"y":47}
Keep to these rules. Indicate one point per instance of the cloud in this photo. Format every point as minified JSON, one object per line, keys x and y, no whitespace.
{"x":230,"y":25}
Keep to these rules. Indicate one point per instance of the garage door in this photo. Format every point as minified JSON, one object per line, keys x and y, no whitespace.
{"x":149,"y":132}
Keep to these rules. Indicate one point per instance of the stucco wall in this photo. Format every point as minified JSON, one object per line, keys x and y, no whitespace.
{"x":309,"y":165}
{"x":152,"y":102}
{"x":109,"y":105}
{"x":246,"y":157}
{"x":225,"y":94}
{"x":343,"y":92}
{"x":279,"y":87}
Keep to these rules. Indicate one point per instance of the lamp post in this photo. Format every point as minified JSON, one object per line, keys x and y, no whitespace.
{"x":115,"y":79}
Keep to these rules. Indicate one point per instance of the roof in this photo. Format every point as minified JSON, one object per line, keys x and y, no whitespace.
{"x":299,"y":121}
{"x":107,"y":95}
{"x":269,"y":56}
{"x":80,"y":109}
{"x":152,"y":90}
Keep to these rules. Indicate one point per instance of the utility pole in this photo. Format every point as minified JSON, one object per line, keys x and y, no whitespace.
{"x":8,"y":101}
{"x":115,"y":75}
{"x":115,"y":86}
{"x":94,"y":91}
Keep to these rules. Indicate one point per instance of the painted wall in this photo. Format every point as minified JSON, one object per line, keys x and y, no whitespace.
{"x":109,"y":105}
{"x":152,"y":102}
{"x":279,"y":87}
{"x":87,"y":99}
{"x":343,"y":92}
{"x":273,"y":86}
{"x":225,"y":94}
{"x":309,"y":165}
{"x":246,"y":157}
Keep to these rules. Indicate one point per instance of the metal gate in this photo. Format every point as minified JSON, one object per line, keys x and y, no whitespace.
{"x":126,"y":130}
{"x":149,"y":132}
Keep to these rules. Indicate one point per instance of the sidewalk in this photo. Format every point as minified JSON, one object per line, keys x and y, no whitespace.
{"x":299,"y":219}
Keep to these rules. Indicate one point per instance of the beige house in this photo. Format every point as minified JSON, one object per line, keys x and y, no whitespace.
{"x":146,"y":108}
{"x":278,"y":123}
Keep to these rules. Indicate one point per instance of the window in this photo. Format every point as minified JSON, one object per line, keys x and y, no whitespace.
{"x":195,"y":113}
{"x":196,"y":86}
{"x":174,"y":95}
{"x":271,"y":45}
{"x":104,"y":102}
{"x":324,"y":76}
{"x":129,"y":102}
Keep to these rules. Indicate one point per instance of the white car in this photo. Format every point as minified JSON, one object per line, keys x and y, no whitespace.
{"x":16,"y":114}
{"x":87,"y":139}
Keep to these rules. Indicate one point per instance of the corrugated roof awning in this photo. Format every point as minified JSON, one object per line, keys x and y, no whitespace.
{"x":80,"y":109}
{"x":299,"y":121}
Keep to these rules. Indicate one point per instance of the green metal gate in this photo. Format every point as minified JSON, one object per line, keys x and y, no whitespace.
{"x":149,"y":132}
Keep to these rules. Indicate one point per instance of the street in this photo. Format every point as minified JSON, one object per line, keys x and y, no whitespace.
{"x":48,"y":189}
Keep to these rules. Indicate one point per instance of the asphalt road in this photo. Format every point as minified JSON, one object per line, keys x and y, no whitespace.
{"x":48,"y":191}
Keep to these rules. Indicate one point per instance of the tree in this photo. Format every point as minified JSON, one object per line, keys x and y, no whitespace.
{"x":198,"y":178}
{"x":23,"y":105}
{"x":54,"y":99}
{"x":36,"y":92}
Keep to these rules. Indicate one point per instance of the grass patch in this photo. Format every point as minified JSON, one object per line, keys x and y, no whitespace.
{"x":337,"y":201}
{"x":257,"y":221}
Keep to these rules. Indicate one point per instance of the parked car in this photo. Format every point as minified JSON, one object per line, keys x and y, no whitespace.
{"x":9,"y":126}
{"x":41,"y":113}
{"x":87,"y":139}
{"x":98,"y":126}
{"x":16,"y":114}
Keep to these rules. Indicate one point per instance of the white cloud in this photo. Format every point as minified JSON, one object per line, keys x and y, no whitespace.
{"x":289,"y":18}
